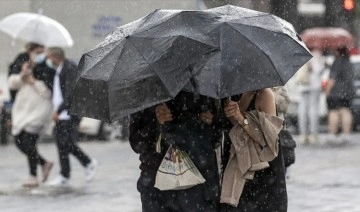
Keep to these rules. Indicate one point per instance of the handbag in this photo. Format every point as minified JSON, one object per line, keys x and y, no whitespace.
{"x":288,"y":145}
{"x":177,"y":171}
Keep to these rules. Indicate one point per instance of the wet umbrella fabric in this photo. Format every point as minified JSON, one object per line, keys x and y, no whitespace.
{"x":218,"y":53}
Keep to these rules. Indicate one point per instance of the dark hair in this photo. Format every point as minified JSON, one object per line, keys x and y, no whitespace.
{"x":343,"y":51}
{"x":32,"y":46}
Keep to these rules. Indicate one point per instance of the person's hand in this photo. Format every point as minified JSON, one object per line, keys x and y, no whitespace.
{"x":163,"y":114}
{"x":55,"y":117}
{"x":30,"y":79}
{"x":232,"y":112}
{"x":207,"y":117}
{"x":25,"y":70}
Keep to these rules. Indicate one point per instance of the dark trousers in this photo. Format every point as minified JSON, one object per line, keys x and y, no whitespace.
{"x":66,"y":133}
{"x":26,"y":142}
{"x":188,"y":200}
{"x":4,"y":119}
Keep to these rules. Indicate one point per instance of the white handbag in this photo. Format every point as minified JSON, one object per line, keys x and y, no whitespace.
{"x":177,"y":171}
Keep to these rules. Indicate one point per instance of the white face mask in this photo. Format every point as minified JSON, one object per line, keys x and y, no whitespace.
{"x":39,"y":58}
{"x":50,"y":64}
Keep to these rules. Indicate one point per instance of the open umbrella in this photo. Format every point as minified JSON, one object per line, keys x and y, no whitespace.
{"x":327,"y":38}
{"x":36,"y":28}
{"x":218,"y":53}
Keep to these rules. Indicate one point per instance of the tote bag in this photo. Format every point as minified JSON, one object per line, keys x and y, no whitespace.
{"x":177,"y":171}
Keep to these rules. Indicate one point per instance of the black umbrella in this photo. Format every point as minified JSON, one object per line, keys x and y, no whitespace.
{"x":218,"y":53}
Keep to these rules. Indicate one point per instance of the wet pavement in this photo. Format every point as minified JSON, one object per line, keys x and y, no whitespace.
{"x":325,"y":178}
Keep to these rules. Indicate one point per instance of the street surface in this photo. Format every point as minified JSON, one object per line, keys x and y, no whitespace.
{"x":325,"y":178}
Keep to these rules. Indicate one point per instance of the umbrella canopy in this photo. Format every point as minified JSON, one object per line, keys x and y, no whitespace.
{"x":36,"y":28}
{"x":327,"y":38}
{"x":218,"y":53}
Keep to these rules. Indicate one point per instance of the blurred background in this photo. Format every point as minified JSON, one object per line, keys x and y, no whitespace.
{"x":89,"y":21}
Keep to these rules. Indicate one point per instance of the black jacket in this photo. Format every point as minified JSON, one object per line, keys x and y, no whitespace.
{"x":44,"y":73}
{"x":67,"y":83}
{"x":15,"y":68}
{"x":186,"y":132}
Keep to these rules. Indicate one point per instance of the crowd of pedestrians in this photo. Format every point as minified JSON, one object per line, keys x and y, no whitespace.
{"x":338,"y":87}
{"x":40,"y":82}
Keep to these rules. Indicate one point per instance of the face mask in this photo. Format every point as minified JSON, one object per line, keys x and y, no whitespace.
{"x":50,"y":64}
{"x":39,"y":58}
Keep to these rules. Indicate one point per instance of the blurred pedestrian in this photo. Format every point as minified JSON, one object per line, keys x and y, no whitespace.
{"x":30,"y":113}
{"x":340,"y":92}
{"x":34,"y":52}
{"x":66,"y":126}
{"x":187,"y":124}
{"x":309,"y":80}
{"x":265,"y":189}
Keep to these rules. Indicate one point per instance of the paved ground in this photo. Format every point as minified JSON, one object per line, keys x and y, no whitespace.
{"x":324,"y":179}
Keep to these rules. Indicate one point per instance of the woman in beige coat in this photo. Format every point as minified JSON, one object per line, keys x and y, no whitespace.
{"x":31,"y":111}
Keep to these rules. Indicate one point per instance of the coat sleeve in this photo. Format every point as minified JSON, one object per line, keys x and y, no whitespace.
{"x":42,"y":89}
{"x":70,"y":78}
{"x":15,"y":81}
{"x":143,"y":131}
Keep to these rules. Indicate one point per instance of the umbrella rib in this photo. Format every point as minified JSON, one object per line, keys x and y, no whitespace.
{"x":272,"y":63}
{"x":145,"y":60}
{"x":267,"y":14}
{"x":172,"y":16}
{"x":148,"y":17}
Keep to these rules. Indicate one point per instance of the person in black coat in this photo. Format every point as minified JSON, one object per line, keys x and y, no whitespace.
{"x":186,"y":123}
{"x":66,"y":125}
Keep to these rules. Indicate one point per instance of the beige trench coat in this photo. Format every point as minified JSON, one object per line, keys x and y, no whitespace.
{"x":248,"y":156}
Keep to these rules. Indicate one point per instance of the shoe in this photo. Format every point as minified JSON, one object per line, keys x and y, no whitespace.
{"x":90,"y":170}
{"x":46,"y":168}
{"x":59,"y":181}
{"x":345,"y":138}
{"x":31,"y":182}
{"x":332,"y":138}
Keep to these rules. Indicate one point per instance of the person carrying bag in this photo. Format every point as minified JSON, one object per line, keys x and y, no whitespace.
{"x":176,"y":142}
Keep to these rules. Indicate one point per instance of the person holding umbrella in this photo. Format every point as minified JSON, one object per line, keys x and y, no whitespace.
{"x":30,"y":113}
{"x":152,"y":60}
{"x":66,"y":125}
{"x":267,"y":190}
{"x":33,"y":52}
{"x":198,"y":141}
